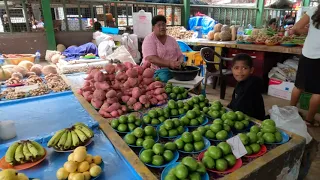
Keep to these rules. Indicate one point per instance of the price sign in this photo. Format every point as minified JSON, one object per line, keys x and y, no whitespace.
{"x":26,"y":88}
{"x":237,"y":147}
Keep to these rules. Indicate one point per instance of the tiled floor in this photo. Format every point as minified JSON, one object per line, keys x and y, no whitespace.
{"x":314,"y":172}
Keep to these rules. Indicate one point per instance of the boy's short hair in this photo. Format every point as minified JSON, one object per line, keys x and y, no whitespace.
{"x":273,"y":20}
{"x":243,"y":57}
{"x":158,"y":18}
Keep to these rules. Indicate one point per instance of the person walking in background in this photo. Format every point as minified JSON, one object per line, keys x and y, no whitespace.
{"x":308,"y":74}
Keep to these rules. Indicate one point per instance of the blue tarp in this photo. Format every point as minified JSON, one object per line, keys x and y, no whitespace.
{"x":206,"y":22}
{"x":74,"y":52}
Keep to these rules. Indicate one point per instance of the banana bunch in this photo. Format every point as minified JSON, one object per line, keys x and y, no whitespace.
{"x":23,"y":152}
{"x":70,"y":138}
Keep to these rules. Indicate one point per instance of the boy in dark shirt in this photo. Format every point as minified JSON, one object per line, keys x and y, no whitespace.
{"x":247,"y":96}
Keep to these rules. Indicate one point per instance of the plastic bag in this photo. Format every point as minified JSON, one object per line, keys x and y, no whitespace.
{"x":105,"y":48}
{"x":130,"y":41}
{"x":288,"y":118}
{"x":121,"y":54}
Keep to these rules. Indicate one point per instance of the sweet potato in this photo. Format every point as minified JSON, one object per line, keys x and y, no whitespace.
{"x":105,"y":106}
{"x":121,"y":76}
{"x":146,"y":64}
{"x":159,"y":91}
{"x":79,"y":91}
{"x":99,"y":94}
{"x":99,"y":76}
{"x":111,"y":93}
{"x":133,"y":73}
{"x":148,"y":73}
{"x":148,"y":81}
{"x":114,"y":114}
{"x":165,"y":96}
{"x":139,"y":69}
{"x":87,"y":95}
{"x":119,"y":94}
{"x":137,"y":106}
{"x":116,"y":85}
{"x":132,"y":82}
{"x":124,"y":108}
{"x":161,"y":102}
{"x":125,"y":99}
{"x":127,"y":91}
{"x":159,"y":97}
{"x":121,"y":67}
{"x":102,"y":85}
{"x":111,"y":69}
{"x":147,"y":105}
{"x":120,"y":112}
{"x":96,"y":103}
{"x":104,"y":114}
{"x":88,"y":88}
{"x":112,"y":100}
{"x":154,"y":85}
{"x":136,"y":93}
{"x":128,"y":65}
{"x":131,"y":101}
{"x":110,"y":77}
{"x":113,"y":107}
{"x":143,"y":99}
{"x":153,"y":101}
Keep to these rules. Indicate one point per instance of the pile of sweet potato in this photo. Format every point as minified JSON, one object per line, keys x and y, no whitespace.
{"x":123,"y":86}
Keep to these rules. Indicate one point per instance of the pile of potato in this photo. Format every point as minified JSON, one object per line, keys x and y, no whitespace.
{"x":222,"y":33}
{"x":128,"y":84}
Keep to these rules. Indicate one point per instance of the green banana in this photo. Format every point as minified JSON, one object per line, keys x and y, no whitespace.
{"x":75,"y":139}
{"x":55,"y":138}
{"x":9,"y":157}
{"x":27,"y":154}
{"x":85,"y":129}
{"x":18,"y":155}
{"x":62,"y":140}
{"x":40,"y":149}
{"x":33,"y":150}
{"x":68,"y":142}
{"x":81,"y":135}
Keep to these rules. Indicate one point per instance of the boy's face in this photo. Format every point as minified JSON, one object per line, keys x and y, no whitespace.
{"x":241,"y":71}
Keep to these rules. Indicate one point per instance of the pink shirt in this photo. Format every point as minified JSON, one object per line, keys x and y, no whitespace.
{"x":152,"y":46}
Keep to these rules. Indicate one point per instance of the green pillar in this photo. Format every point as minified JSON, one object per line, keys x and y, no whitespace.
{"x":260,"y":6}
{"x":48,"y":24}
{"x":306,"y":3}
{"x":186,"y":12}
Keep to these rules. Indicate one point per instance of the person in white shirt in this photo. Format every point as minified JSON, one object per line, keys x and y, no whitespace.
{"x":308,"y":74}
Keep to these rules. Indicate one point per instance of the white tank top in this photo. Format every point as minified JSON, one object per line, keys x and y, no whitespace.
{"x":311,"y":48}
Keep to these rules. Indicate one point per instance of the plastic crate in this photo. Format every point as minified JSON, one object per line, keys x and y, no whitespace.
{"x":305,"y":100}
{"x":109,"y":30}
{"x":16,"y":61}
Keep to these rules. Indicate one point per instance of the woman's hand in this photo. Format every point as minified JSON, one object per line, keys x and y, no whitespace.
{"x":174,"y":64}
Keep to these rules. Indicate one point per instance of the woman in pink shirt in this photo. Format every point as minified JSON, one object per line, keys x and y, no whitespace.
{"x":161,"y":50}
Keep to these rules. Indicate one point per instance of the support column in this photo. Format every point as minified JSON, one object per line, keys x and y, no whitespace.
{"x":259,"y":20}
{"x":48,"y":24}
{"x":186,"y":14}
{"x":306,"y":3}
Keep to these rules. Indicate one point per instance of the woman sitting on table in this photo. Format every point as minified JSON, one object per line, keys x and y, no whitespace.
{"x":161,"y":50}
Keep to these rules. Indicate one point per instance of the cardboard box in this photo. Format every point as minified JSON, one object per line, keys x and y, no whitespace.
{"x":280,"y":89}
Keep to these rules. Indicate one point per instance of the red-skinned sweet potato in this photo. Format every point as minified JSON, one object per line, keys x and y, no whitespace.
{"x":143,"y":99}
{"x":125,"y":99}
{"x":121,"y":76}
{"x":120,"y":112}
{"x":121,"y":67}
{"x":99,"y":76}
{"x":102,"y":85}
{"x":111,"y":93}
{"x":114,"y":113}
{"x":131,"y":101}
{"x":128,"y":65}
{"x":132,"y":82}
{"x":164,"y":95}
{"x":124,"y":108}
{"x":148,"y":73}
{"x":99,"y":94}
{"x":133,"y":73}
{"x":148,"y":81}
{"x":139,"y":69}
{"x":111,"y":69}
{"x":104,"y":114}
{"x":146,"y":64}
{"x":113,"y":107}
{"x":153,"y":101}
{"x":137,"y":106}
{"x":87,"y":95}
{"x":159,"y":97}
{"x":136,"y":92}
{"x":112,"y":100}
{"x":159,"y":91}
{"x":96,"y":103}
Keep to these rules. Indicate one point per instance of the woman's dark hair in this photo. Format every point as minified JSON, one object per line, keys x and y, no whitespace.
{"x":273,"y":20}
{"x":97,"y":26}
{"x":158,"y":18}
{"x":243,"y":57}
{"x":316,"y":18}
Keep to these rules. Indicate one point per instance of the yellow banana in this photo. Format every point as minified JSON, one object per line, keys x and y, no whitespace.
{"x":86,"y":130}
{"x":40,"y":149}
{"x":33,"y":150}
{"x":9,"y":157}
{"x":62,"y":140}
{"x":27,"y":154}
{"x":68,"y":142}
{"x":75,"y":139}
{"x":55,"y":138}
{"x":85,"y":126}
{"x":81,"y":135}
{"x":18,"y":155}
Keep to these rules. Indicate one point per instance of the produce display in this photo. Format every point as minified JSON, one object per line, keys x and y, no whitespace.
{"x":236,"y":120}
{"x":222,"y":33}
{"x":216,"y":110}
{"x":12,"y":174}
{"x":70,"y":138}
{"x":191,"y":142}
{"x":188,"y":168}
{"x":155,"y":116}
{"x":176,"y":92}
{"x":171,"y":128}
{"x":216,"y":131}
{"x":126,"y":123}
{"x":179,"y":32}
{"x":24,"y":152}
{"x":218,"y":157}
{"x":142,"y":137}
{"x":158,"y":154}
{"x":132,"y":85}
{"x":269,"y":132}
{"x":251,"y":140}
{"x":194,"y":117}
{"x":197,"y":101}
{"x":80,"y":165}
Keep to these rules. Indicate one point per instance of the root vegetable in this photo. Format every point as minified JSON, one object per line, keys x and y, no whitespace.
{"x":30,"y":74}
{"x":96,"y":103}
{"x":110,"y":77}
{"x":113,"y":107}
{"x":17,"y":75}
{"x":148,"y":73}
{"x":26,"y":64}
{"x":120,"y":112}
{"x":105,"y":106}
{"x":148,"y":81}
{"x":87,"y":95}
{"x":137,"y":106}
{"x":159,"y":91}
{"x":146,"y":64}
{"x":55,"y":58}
{"x":133,"y":73}
{"x":112,"y":100}
{"x":99,"y":76}
{"x":121,"y":76}
{"x":132,"y":82}
{"x":128,"y":65}
{"x":159,"y":97}
{"x":49,"y":69}
{"x":104,"y":114}
{"x":131,"y":101}
{"x":121,"y":67}
{"x":143,"y":99}
{"x":125,"y":99}
{"x":116,"y":85}
{"x":102,"y":85}
{"x":36,"y":69}
{"x":114,"y":113}
{"x":124,"y":108}
{"x":161,"y":102}
{"x":112,"y":93}
{"x":20,"y":69}
{"x":165,"y":96}
{"x":147,"y":105}
{"x":139,"y":69}
{"x":87,"y":88}
{"x":111,"y":69}
{"x":136,"y":93}
{"x":154,"y":85}
{"x":119,"y":94}
{"x":153,"y":101}
{"x":99,"y":94}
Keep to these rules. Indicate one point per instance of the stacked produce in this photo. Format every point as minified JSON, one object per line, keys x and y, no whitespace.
{"x":223,"y":33}
{"x":188,"y":168}
{"x":158,"y":154}
{"x":141,"y":137}
{"x":155,"y":116}
{"x":80,"y":165}
{"x":269,"y":132}
{"x":70,"y":138}
{"x":216,"y":110}
{"x":176,"y":92}
{"x":251,"y":140}
{"x":176,"y":108}
{"x":236,"y":120}
{"x":219,"y":157}
{"x":126,"y":123}
{"x":197,"y":101}
{"x":193,"y":118}
{"x":24,"y":152}
{"x":190,"y":142}
{"x":216,"y":131}
{"x":179,"y":32}
{"x":12,"y":174}
{"x":126,"y":83}
{"x":56,"y":83}
{"x":171,"y":128}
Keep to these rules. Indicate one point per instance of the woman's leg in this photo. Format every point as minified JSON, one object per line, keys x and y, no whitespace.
{"x":296,"y":92}
{"x":313,"y":107}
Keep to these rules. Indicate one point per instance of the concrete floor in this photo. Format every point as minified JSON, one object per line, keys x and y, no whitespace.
{"x":314,"y":172}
